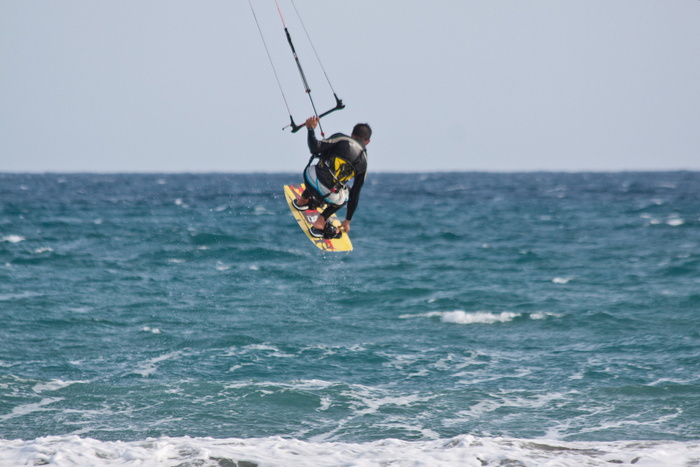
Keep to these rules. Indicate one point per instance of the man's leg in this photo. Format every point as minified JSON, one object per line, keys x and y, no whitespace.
{"x":305,"y":197}
{"x":325,"y":215}
{"x":310,"y":199}
{"x":310,"y":193}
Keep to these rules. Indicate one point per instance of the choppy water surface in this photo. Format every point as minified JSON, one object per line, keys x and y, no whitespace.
{"x":481,"y":319}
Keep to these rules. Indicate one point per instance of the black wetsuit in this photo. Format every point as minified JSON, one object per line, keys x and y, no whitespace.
{"x":356,"y":155}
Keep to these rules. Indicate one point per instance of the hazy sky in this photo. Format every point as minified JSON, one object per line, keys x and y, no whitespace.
{"x":495,"y":85}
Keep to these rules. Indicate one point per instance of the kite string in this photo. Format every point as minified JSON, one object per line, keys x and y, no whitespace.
{"x":304,"y":81}
{"x":339,"y":103}
{"x":312,"y":46}
{"x":269,"y":57}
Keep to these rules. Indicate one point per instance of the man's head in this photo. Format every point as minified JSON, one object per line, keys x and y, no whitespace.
{"x":362,"y":131}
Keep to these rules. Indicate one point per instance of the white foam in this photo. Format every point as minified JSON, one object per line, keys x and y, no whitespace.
{"x":312,"y":384}
{"x":463,"y":450}
{"x":619,"y":425}
{"x":562,"y":280}
{"x":148,"y":367}
{"x":479,"y":317}
{"x":372,"y":402}
{"x":463,"y":317}
{"x":273,"y":351}
{"x":26,"y":409}
{"x":673,"y":221}
{"x":544,"y":315}
{"x":12,"y":239}
{"x":53,"y":385}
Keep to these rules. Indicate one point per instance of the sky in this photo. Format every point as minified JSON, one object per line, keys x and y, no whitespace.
{"x":447,"y":85}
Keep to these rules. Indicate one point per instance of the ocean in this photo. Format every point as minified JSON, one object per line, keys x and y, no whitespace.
{"x":483,"y":319}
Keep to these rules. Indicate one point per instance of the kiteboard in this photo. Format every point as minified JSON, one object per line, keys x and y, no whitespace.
{"x":305,"y":219}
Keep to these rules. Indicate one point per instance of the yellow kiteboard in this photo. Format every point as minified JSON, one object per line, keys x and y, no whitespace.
{"x":308,"y":217}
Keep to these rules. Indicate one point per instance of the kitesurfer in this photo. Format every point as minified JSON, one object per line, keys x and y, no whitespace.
{"x":341,"y":159}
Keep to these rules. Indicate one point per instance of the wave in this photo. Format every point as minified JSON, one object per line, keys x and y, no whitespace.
{"x":12,"y":239}
{"x":466,"y":450}
{"x":478,"y":317}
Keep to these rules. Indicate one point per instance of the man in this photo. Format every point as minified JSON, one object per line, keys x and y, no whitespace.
{"x":341,"y":158}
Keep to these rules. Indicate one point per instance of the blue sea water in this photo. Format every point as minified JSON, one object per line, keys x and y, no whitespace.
{"x":483,"y":319}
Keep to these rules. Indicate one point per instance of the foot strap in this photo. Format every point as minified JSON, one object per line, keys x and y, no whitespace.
{"x":330,"y":231}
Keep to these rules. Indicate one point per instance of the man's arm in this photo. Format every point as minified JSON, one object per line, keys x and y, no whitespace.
{"x":354,"y":196}
{"x":352,"y":203}
{"x":315,"y":146}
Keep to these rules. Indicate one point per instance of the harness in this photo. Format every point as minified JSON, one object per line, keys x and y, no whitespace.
{"x":339,"y":169}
